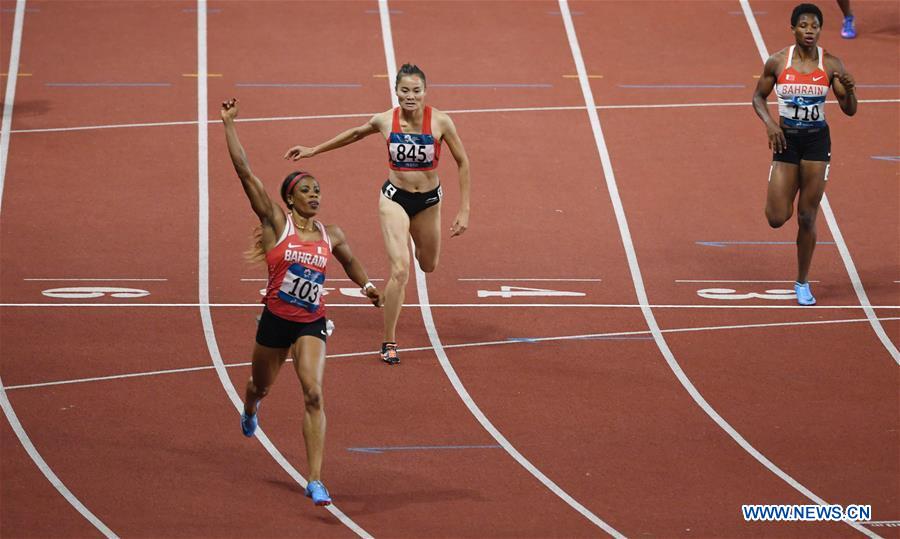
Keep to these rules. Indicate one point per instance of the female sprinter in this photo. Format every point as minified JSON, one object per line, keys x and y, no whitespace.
{"x":801,"y":75}
{"x":296,"y":248}
{"x":410,"y":202}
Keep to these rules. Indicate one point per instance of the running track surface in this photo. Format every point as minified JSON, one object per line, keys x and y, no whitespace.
{"x":605,"y":419}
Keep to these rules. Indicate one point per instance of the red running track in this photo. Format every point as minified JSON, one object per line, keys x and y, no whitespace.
{"x":604,"y":418}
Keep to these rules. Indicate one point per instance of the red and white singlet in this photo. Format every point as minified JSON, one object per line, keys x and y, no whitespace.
{"x":413,"y":151}
{"x":801,"y":96}
{"x":297,"y":275}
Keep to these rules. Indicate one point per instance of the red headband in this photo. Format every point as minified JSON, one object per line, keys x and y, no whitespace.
{"x":300,"y":175}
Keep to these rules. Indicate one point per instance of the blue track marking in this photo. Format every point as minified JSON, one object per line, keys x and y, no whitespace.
{"x":878,"y":85}
{"x":490,"y":85}
{"x":379,"y":450}
{"x":725,"y":243}
{"x":298,"y":85}
{"x":677,"y":86}
{"x":587,"y":338}
{"x":886,"y":157}
{"x":107,"y":84}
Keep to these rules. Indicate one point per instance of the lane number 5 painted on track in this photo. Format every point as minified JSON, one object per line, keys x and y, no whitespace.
{"x":729,"y":294}
{"x":86,"y":292}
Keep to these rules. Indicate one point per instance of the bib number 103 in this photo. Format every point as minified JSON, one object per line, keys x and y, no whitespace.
{"x":807,"y":113}
{"x":304,"y":290}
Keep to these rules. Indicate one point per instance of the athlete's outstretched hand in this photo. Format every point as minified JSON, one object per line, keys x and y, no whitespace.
{"x":229,"y":109}
{"x":777,"y":142}
{"x":299,"y":152}
{"x":846,"y":80}
{"x":460,"y":224}
{"x":374,"y":296}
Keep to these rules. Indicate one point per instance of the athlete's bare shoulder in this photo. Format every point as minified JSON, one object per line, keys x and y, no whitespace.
{"x":778,"y":60}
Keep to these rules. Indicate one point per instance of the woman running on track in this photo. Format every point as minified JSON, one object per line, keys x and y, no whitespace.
{"x":410,"y":202}
{"x":801,"y":75}
{"x":296,"y":248}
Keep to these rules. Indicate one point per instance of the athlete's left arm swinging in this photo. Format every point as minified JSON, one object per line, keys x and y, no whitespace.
{"x":844,"y":86}
{"x":461,"y":223}
{"x":352,"y":267}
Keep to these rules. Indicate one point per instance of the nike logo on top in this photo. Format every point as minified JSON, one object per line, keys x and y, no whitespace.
{"x":292,"y":246}
{"x":818,"y":78}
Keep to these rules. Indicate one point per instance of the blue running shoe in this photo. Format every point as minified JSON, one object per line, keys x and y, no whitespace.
{"x":319,"y":494}
{"x":848,"y":31}
{"x":804,"y":294}
{"x":250,"y":422}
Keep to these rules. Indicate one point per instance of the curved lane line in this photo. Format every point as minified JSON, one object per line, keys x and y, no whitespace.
{"x":203,"y":269}
{"x":428,"y":320}
{"x":8,"y":410}
{"x":638,"y":280}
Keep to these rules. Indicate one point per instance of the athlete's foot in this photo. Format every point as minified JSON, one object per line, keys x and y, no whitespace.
{"x":319,"y":494}
{"x":389,"y":353}
{"x":250,"y":422}
{"x":804,"y":294}
{"x":848,"y":30}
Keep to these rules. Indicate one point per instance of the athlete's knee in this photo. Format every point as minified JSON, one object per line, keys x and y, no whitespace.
{"x":777,"y":219}
{"x":312,"y":398}
{"x":400,"y":273}
{"x":429,"y":264}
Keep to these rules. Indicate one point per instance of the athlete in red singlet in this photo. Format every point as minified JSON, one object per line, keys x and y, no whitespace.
{"x":296,"y":248}
{"x":410,"y":201}
{"x":801,"y":75}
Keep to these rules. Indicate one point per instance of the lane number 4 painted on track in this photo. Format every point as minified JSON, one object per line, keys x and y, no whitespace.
{"x":520,"y":291}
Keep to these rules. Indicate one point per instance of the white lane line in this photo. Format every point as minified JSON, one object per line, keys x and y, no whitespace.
{"x":203,"y":267}
{"x":90,"y":279}
{"x":371,"y":353}
{"x":638,"y":280}
{"x":470,"y":305}
{"x":370,"y":114}
{"x":533,"y":280}
{"x":829,"y":217}
{"x":8,"y":411}
{"x":434,"y":338}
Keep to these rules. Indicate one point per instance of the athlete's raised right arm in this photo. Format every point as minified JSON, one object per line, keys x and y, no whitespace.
{"x":260,"y":201}
{"x":764,"y":88}
{"x":347,"y":137}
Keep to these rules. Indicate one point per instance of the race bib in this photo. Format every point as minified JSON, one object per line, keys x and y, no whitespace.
{"x":302,"y":287}
{"x":411,"y":150}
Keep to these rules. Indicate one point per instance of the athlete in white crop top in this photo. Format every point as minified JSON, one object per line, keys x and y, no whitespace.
{"x":800,"y":140}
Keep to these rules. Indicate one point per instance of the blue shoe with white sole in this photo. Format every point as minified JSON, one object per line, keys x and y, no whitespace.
{"x":319,"y":494}
{"x":250,"y":422}
{"x":848,"y":30}
{"x":804,"y":294}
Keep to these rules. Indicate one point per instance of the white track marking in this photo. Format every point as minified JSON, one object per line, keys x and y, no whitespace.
{"x":469,"y":305}
{"x":428,"y":320}
{"x":370,"y":114}
{"x":203,"y":268}
{"x":534,"y":280}
{"x":829,"y":216}
{"x":66,"y":279}
{"x":8,"y":411}
{"x":639,"y":281}
{"x":531,"y":340}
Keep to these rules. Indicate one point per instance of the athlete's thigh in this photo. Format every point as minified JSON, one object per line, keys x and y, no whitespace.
{"x":784,"y":182}
{"x":813,"y":179}
{"x":395,"y":229}
{"x":425,"y":229}
{"x":266,"y":363}
{"x":309,"y":360}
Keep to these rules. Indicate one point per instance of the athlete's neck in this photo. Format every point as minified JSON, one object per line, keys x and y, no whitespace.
{"x":303,"y":224}
{"x":807,"y":53}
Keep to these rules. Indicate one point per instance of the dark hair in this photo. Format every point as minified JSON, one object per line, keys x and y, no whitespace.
{"x":806,"y":9}
{"x":409,"y":69}
{"x":290,"y":181}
